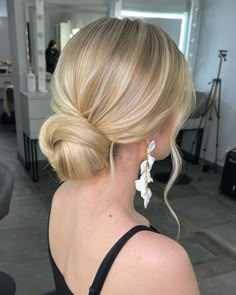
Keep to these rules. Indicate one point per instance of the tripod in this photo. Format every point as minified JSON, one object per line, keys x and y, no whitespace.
{"x":212,"y":106}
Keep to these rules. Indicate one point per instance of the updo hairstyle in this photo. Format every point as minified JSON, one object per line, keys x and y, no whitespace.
{"x":117,"y":81}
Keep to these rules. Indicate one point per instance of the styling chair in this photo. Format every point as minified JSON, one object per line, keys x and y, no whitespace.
{"x":7,"y":283}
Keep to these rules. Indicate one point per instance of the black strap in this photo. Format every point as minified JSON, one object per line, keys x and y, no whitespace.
{"x":107,"y":262}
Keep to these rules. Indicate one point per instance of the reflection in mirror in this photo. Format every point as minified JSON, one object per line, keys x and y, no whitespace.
{"x":61,"y":23}
{"x":30,"y":15}
{"x":52,"y":55}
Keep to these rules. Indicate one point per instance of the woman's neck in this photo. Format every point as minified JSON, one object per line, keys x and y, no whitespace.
{"x":102,"y":194}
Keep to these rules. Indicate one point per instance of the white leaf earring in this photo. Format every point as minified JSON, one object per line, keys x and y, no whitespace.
{"x":142,"y":183}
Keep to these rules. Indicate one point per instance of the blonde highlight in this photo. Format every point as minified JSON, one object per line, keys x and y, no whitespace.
{"x":118,"y":81}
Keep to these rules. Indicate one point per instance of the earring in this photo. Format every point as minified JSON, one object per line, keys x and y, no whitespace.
{"x":142,"y":183}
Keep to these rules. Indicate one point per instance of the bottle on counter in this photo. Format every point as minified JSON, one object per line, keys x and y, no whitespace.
{"x":31,"y":81}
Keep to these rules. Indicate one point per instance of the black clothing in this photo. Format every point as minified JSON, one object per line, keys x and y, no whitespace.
{"x":52,"y":55}
{"x":95,"y":289}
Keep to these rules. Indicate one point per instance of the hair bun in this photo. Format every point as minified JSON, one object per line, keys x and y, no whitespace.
{"x":74,"y":147}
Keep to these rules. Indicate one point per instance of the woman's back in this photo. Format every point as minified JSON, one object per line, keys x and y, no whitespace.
{"x":78,"y":250}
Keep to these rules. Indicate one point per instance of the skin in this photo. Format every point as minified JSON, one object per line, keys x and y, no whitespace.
{"x":85,"y":224}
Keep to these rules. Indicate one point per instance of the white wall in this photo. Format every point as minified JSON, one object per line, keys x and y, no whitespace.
{"x":80,"y":19}
{"x":171,"y":26}
{"x":4,"y":35}
{"x":3,"y":8}
{"x":4,"y":39}
{"x":52,"y":17}
{"x":218,"y":32}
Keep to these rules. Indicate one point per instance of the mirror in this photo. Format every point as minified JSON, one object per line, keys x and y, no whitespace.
{"x":175,"y":24}
{"x":61,"y":22}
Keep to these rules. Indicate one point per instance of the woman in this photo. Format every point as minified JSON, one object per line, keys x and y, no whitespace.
{"x":121,"y":92}
{"x":52,"y":55}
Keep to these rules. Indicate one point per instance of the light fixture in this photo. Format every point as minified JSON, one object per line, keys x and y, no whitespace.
{"x":74,"y":31}
{"x":141,"y":14}
{"x":180,"y":16}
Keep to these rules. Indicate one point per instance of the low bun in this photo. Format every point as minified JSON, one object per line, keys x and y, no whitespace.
{"x":74,"y":147}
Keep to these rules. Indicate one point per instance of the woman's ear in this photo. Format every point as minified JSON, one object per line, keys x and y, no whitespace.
{"x":151,"y":138}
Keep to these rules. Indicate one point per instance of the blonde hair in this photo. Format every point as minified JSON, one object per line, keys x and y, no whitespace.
{"x":118,"y":81}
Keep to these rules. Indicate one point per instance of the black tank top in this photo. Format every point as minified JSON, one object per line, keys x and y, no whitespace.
{"x":96,"y":287}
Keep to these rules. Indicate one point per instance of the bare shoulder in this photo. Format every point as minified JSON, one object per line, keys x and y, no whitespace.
{"x":61,"y":196}
{"x":166,"y":267}
{"x":59,"y":208}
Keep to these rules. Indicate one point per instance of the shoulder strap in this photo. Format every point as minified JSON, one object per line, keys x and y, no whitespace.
{"x":107,"y":262}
